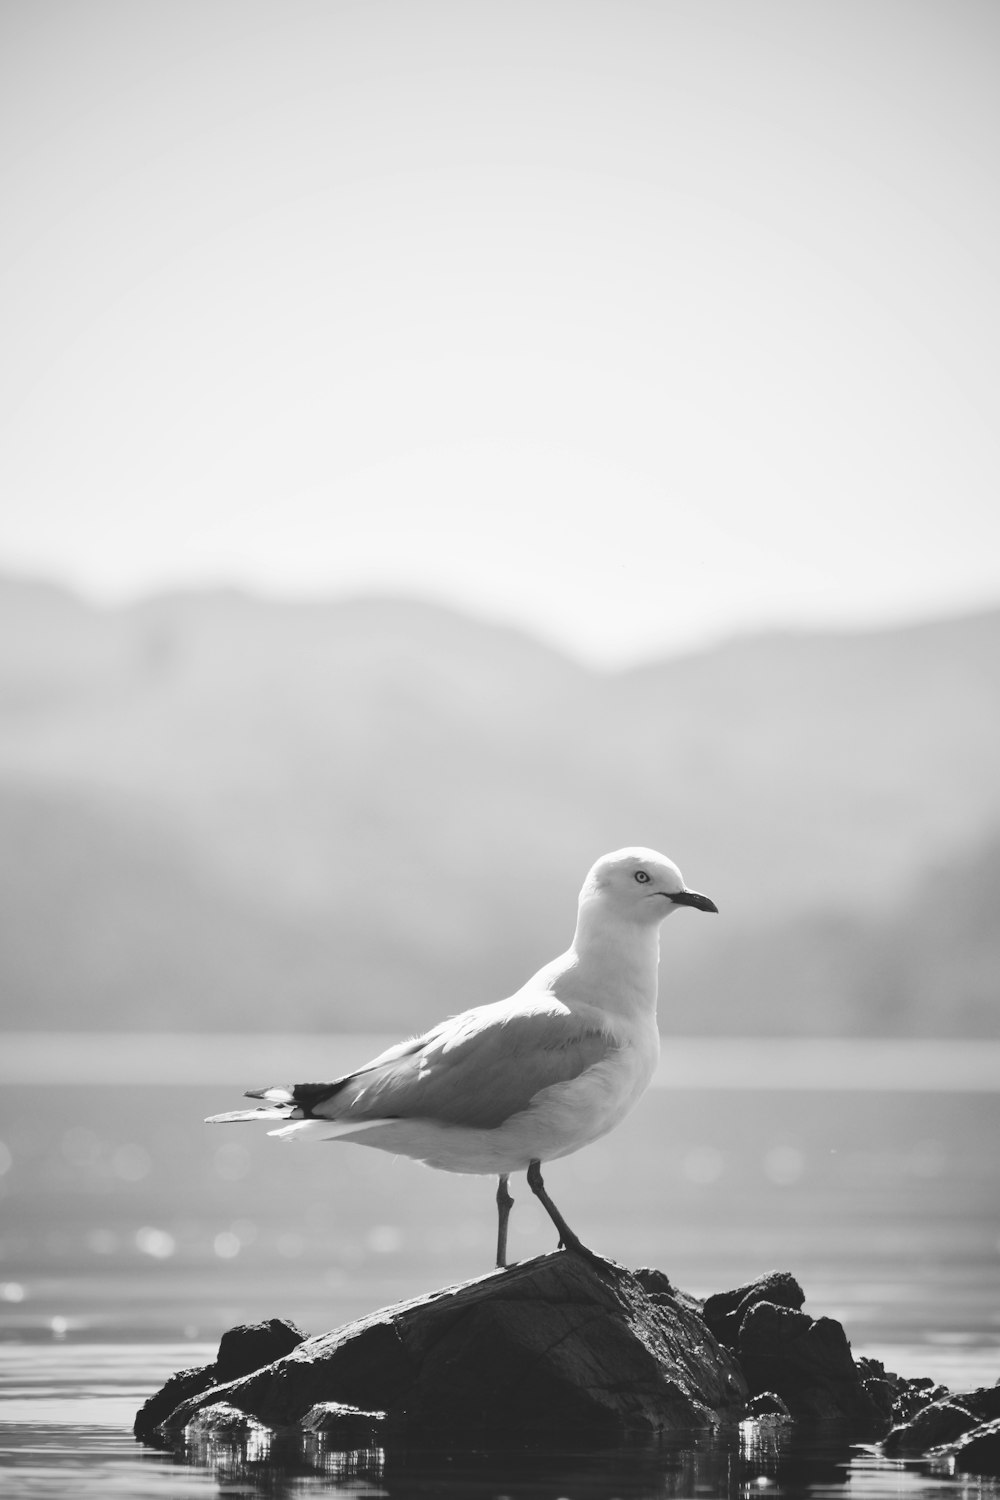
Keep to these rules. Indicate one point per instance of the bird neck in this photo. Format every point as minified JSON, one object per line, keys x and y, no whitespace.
{"x":616,"y":962}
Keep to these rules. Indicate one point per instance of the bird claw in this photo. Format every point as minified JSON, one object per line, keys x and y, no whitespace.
{"x":599,"y":1262}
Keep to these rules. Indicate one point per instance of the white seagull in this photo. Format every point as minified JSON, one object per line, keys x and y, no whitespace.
{"x":505,"y":1087}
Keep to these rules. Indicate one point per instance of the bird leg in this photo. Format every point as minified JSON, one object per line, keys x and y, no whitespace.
{"x":567,"y":1239}
{"x":504,"y":1205}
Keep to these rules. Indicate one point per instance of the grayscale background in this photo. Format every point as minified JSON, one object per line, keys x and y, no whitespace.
{"x":440,"y":443}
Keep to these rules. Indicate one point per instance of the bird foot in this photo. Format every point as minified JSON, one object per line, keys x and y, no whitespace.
{"x":577,"y":1247}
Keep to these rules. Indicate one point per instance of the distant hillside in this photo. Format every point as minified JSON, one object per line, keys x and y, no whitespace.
{"x":219,"y":811}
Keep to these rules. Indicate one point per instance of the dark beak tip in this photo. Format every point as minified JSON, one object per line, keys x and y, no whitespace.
{"x":696,"y":899}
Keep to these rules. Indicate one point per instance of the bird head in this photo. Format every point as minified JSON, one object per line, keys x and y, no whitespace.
{"x":640,"y":885}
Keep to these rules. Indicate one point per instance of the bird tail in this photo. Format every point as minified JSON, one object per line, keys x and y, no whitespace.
{"x":300,"y":1095}
{"x":292,"y":1101}
{"x":233,"y":1115}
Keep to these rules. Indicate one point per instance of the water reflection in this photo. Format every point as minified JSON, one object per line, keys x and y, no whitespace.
{"x":758,"y":1458}
{"x":66,"y":1415}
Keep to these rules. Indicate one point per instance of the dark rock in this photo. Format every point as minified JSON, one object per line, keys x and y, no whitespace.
{"x":222,"y":1420}
{"x":251,"y":1346}
{"x":560,"y":1347}
{"x":243,"y":1349}
{"x":941,"y":1422}
{"x":725,"y":1311}
{"x":767,"y":1404}
{"x":658,"y":1283}
{"x":913,"y":1396}
{"x":978,"y":1452}
{"x":807,"y":1362}
{"x":984,"y":1403}
{"x":658,"y":1287}
{"x":874,"y":1369}
{"x":347,"y":1426}
{"x":180,"y":1387}
{"x":882,"y":1395}
{"x":883,"y":1388}
{"x":552,"y":1346}
{"x":767,"y":1329}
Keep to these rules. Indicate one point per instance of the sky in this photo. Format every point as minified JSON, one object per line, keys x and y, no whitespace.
{"x":634,"y":323}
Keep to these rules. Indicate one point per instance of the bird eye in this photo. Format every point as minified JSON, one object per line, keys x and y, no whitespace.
{"x":642,"y":876}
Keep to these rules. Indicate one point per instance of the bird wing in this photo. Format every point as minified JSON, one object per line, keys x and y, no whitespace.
{"x":476,"y":1070}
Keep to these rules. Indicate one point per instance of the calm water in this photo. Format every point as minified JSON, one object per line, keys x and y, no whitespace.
{"x":131,"y":1236}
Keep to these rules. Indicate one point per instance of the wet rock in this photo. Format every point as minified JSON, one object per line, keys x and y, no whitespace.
{"x":559,"y":1347}
{"x":908,"y":1396}
{"x":180,"y":1387}
{"x":251,"y":1346}
{"x":346,"y":1426}
{"x":984,"y":1403}
{"x":552,"y":1346}
{"x":978,"y":1451}
{"x":658,"y":1287}
{"x":882,"y":1397}
{"x":807,"y":1362}
{"x":913,"y":1396}
{"x":219,"y":1419}
{"x":941,"y":1422}
{"x":768,"y":1406}
{"x":881,"y":1386}
{"x":243,"y":1349}
{"x":725,"y":1311}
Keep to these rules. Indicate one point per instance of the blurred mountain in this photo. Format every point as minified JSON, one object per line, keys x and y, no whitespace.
{"x":221,"y":812}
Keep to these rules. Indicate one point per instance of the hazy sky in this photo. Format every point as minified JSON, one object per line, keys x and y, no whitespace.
{"x":630,"y":320}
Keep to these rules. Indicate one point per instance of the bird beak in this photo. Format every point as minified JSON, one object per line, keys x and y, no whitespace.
{"x":694,"y":898}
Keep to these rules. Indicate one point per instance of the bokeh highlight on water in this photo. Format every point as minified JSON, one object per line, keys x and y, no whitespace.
{"x":124,"y":1215}
{"x":131,"y":1234}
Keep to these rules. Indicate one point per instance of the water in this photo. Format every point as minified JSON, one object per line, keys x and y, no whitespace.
{"x":68,"y":1414}
{"x":131,"y":1236}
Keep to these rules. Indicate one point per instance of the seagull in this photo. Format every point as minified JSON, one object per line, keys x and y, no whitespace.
{"x":502,"y":1088}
